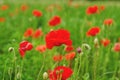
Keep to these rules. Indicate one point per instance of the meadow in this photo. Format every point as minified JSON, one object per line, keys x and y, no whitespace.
{"x":59,"y":40}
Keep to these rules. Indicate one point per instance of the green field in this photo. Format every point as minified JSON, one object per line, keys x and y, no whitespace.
{"x":98,"y":63}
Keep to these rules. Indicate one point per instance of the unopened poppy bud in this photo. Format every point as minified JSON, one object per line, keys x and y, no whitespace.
{"x":86,"y":46}
{"x":18,"y":75}
{"x":96,"y":42}
{"x":45,"y":75}
{"x":79,"y":50}
{"x":10,"y":71}
{"x":10,"y":49}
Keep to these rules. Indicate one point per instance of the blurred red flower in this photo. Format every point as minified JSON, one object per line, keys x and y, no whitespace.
{"x":2,"y":19}
{"x":92,"y":9}
{"x":41,"y":48}
{"x":4,"y":7}
{"x":57,"y":38}
{"x":37,"y":13}
{"x":60,"y":73}
{"x":28,"y":32}
{"x":93,"y":31}
{"x":37,"y":33}
{"x":24,"y":7}
{"x":57,"y":58}
{"x":70,"y":56}
{"x":24,"y":46}
{"x":54,"y":21}
{"x":116,"y":47}
{"x":69,"y":48}
{"x":105,"y":42}
{"x":102,"y":7}
{"x":108,"y":22}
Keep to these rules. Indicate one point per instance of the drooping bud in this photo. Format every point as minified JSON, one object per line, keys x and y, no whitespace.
{"x":10,"y":49}
{"x":86,"y":46}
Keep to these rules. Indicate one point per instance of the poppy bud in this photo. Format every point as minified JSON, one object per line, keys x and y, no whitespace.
{"x":10,"y":49}
{"x":86,"y":46}
{"x":45,"y":75}
{"x":79,"y":50}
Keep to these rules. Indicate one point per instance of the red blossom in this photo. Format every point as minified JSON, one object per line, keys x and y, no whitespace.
{"x":108,"y":22}
{"x":28,"y":32}
{"x":2,"y":19}
{"x":116,"y":47}
{"x":37,"y":13}
{"x":24,"y":46}
{"x":70,"y":56}
{"x":93,"y":31}
{"x":24,"y":7}
{"x":60,"y":73}
{"x":57,"y":38}
{"x":92,"y":10}
{"x":105,"y":42}
{"x":41,"y":48}
{"x":54,"y":21}
{"x":37,"y":33}
{"x":4,"y":7}
{"x":69,"y":48}
{"x":57,"y":58}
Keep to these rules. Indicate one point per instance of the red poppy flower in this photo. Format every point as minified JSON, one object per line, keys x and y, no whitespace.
{"x":102,"y":7}
{"x":24,"y":7}
{"x":93,"y":31}
{"x":70,"y":56}
{"x":41,"y":48}
{"x":4,"y":7}
{"x":54,"y":21}
{"x":116,"y":47}
{"x":105,"y":42}
{"x":108,"y":22}
{"x":37,"y":13}
{"x":2,"y":19}
{"x":24,"y":46}
{"x":92,"y":10}
{"x":60,"y":73}
{"x":37,"y":33}
{"x":28,"y":32}
{"x":57,"y":38}
{"x":57,"y":58}
{"x":69,"y":48}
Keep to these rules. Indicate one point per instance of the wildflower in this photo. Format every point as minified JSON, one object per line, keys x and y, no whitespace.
{"x":60,"y":73}
{"x":70,"y":56}
{"x":4,"y":7}
{"x":37,"y":13}
{"x":93,"y":31}
{"x":96,"y":42}
{"x":41,"y":48}
{"x":108,"y":22}
{"x":24,"y":7}
{"x":105,"y":42}
{"x":57,"y":58}
{"x":116,"y":47}
{"x":69,"y":48}
{"x":2,"y":19}
{"x":37,"y":33}
{"x":24,"y":46}
{"x":28,"y":32}
{"x":57,"y":38}
{"x":102,"y":7}
{"x":54,"y":21}
{"x":92,"y":10}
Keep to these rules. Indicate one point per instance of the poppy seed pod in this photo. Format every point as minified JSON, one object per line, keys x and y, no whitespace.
{"x":45,"y":75}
